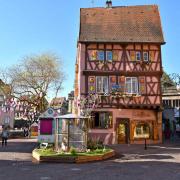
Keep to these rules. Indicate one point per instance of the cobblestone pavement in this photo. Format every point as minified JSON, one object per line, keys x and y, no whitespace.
{"x":132,"y":162}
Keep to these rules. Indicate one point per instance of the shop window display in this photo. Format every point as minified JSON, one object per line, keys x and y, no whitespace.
{"x":142,"y":130}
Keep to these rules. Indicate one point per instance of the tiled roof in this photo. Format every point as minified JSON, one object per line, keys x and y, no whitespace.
{"x":57,"y":101}
{"x":121,"y":24}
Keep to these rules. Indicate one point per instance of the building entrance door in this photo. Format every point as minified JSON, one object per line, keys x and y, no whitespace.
{"x":122,"y":131}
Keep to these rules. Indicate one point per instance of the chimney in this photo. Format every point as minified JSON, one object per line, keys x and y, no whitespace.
{"x":108,"y":4}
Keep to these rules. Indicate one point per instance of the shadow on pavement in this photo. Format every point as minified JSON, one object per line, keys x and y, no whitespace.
{"x":153,"y":156}
{"x":19,"y":147}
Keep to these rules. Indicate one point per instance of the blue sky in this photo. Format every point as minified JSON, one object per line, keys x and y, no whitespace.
{"x":35,"y":26}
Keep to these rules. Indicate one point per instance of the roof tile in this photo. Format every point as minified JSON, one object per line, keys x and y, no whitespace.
{"x":121,"y":24}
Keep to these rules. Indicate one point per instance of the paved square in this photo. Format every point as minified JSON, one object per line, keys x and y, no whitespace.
{"x":132,"y":162}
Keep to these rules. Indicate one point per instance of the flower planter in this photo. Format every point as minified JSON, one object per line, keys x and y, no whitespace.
{"x":72,"y":159}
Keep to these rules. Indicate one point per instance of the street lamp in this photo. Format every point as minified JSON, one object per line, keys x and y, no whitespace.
{"x":145,"y":141}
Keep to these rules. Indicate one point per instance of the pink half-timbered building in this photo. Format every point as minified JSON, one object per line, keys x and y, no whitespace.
{"x":119,"y":58}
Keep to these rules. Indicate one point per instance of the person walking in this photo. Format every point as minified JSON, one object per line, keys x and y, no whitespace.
{"x":26,"y":132}
{"x":5,"y":135}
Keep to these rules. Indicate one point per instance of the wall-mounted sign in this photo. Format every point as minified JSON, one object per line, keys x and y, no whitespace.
{"x":50,"y":111}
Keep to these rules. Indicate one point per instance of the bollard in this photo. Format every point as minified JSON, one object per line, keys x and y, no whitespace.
{"x":145,"y":144}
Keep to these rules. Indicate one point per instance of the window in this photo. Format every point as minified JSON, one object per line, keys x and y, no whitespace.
{"x":145,"y":56}
{"x":109,"y":55}
{"x":46,"y":126}
{"x":169,"y":103}
{"x":131,"y":85}
{"x":138,"y":56}
{"x":174,"y":105}
{"x":177,"y":103}
{"x":142,"y":131}
{"x":102,"y":84}
{"x":164,"y":102}
{"x":100,"y":55}
{"x":102,"y":120}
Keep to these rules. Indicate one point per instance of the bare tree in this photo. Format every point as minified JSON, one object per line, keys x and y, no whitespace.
{"x":176,"y":78}
{"x":34,"y":78}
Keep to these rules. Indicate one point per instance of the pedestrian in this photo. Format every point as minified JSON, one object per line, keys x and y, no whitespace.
{"x":5,"y":135}
{"x":26,"y":132}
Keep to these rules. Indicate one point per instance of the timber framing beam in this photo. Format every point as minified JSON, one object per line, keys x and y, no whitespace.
{"x":122,"y":73}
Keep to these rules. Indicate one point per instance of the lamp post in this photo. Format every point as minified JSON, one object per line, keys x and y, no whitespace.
{"x":56,"y":135}
{"x":68,"y":148}
{"x":145,"y":142}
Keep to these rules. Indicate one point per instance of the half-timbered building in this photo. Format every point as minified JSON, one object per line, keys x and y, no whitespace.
{"x":119,"y":59}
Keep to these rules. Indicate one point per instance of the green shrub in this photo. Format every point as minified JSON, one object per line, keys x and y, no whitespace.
{"x":94,"y":144}
{"x":98,"y":151}
{"x":73,"y":151}
{"x":45,"y":152}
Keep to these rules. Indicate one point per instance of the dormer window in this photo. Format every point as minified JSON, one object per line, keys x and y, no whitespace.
{"x":146,"y":56}
{"x":138,"y":56}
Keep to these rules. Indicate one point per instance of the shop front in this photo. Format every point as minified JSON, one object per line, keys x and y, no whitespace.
{"x":126,"y":126}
